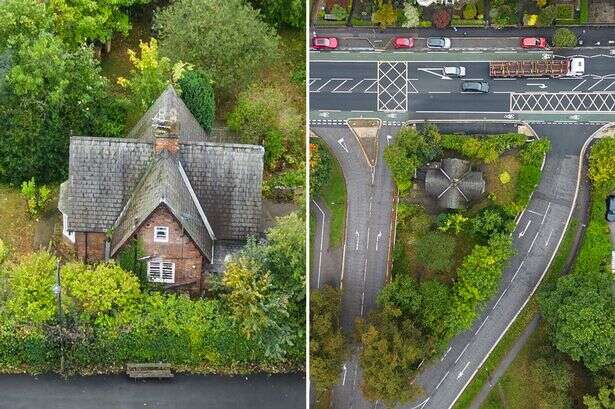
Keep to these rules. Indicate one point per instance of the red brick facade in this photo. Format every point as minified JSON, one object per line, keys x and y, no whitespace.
{"x":180,"y":249}
{"x":90,"y":246}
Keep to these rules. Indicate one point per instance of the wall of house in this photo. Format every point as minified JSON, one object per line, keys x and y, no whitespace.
{"x":90,"y":246}
{"x":180,"y":249}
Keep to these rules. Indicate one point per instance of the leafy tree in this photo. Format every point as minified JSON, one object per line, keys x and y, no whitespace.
{"x":454,"y":222}
{"x":51,"y":93}
{"x":230,"y":52}
{"x":564,"y":37}
{"x":412,"y":15}
{"x":320,"y":167}
{"x":385,"y":15}
{"x":491,"y":221}
{"x":131,"y":258}
{"x":150,"y":75}
{"x":21,"y":21}
{"x":435,"y":251}
{"x":339,"y":12}
{"x":37,"y":197}
{"x":327,"y":343}
{"x":282,"y":13}
{"x":402,"y":166}
{"x":605,"y":399}
{"x":547,"y":16}
{"x":441,"y":18}
{"x":469,"y":11}
{"x":198,"y":94}
{"x":601,"y":164}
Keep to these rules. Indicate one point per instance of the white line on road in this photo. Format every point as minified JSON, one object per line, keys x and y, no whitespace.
{"x":367,"y":242}
{"x":463,"y":370}
{"x":378,"y":239}
{"x":357,"y":235}
{"x":579,"y":84}
{"x":521,"y":234}
{"x":464,"y":350}
{"x":609,"y":86}
{"x":344,"y":377}
{"x":446,"y":353}
{"x":534,"y":212}
{"x":499,"y":299}
{"x":518,"y":269}
{"x":322,"y":86}
{"x":362,"y":302}
{"x":420,"y":364}
{"x":533,"y":241}
{"x":481,"y":325}
{"x":441,"y":380}
{"x":590,"y":88}
{"x":549,"y":238}
{"x":545,"y":215}
{"x":439,"y":92}
{"x":420,"y":405}
{"x":322,"y":235}
{"x":342,"y":144}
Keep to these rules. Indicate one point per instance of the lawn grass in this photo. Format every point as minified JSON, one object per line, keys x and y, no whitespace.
{"x":16,"y":227}
{"x":503,"y":194}
{"x":519,"y":325}
{"x":334,"y":195}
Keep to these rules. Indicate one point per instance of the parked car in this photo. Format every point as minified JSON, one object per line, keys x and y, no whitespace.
{"x":324,"y":43}
{"x":403,"y":42}
{"x":475,"y":86}
{"x":438,"y":42}
{"x":610,"y":208}
{"x":456,"y":72}
{"x":534,"y":42}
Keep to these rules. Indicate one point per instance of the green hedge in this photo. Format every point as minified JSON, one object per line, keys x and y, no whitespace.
{"x":564,"y":11}
{"x":425,"y":23}
{"x":584,"y":12}
{"x":532,"y":156}
{"x":485,"y":148}
{"x":457,"y":22}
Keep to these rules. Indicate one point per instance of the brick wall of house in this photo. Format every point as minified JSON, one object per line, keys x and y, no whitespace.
{"x":90,"y":246}
{"x":180,"y":249}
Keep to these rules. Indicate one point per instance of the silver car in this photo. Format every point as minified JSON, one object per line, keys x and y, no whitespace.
{"x":455,"y":72}
{"x":438,"y":42}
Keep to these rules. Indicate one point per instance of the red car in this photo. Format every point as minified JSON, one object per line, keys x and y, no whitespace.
{"x":403,"y":42}
{"x":324,"y":43}
{"x":534,"y":42}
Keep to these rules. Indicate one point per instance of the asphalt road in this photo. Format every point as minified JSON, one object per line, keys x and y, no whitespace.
{"x":366,"y":245}
{"x":183,"y":392}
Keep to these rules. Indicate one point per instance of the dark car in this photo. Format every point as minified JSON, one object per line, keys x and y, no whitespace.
{"x":610,"y":209}
{"x":475,"y":86}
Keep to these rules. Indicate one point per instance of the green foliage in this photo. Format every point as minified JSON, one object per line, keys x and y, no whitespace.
{"x":485,"y":148}
{"x":564,"y":11}
{"x":282,"y":13}
{"x":605,"y":399}
{"x":385,"y":15}
{"x":411,"y":14}
{"x":547,"y":16}
{"x":284,"y":186}
{"x":584,"y":12}
{"x":52,"y":92}
{"x":339,"y":12}
{"x":601,"y":164}
{"x":454,"y":222}
{"x":469,"y":11}
{"x":198,"y":94}
{"x":37,"y":197}
{"x":327,"y":343}
{"x":219,"y":49}
{"x":131,"y":258}
{"x":564,"y":37}
{"x":320,"y":166}
{"x":435,"y":251}
{"x":491,"y":221}
{"x":532,"y":156}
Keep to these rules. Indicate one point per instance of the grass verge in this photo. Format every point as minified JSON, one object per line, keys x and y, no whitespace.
{"x":333,"y":193}
{"x":16,"y":227}
{"x":524,"y":318}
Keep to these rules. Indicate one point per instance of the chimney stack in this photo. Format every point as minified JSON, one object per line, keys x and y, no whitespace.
{"x":166,"y":131}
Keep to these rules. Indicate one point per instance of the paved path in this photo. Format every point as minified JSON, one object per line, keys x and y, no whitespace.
{"x":183,"y":392}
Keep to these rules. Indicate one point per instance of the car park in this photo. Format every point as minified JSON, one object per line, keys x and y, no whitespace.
{"x":403,"y":42}
{"x":324,"y":43}
{"x":475,"y":86}
{"x":439,"y":42}
{"x":610,"y":209}
{"x":534,"y":42}
{"x":455,"y":72}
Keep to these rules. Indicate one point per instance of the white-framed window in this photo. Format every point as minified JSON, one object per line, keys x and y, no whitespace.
{"x":160,"y":271}
{"x":161,"y":234}
{"x":68,"y":234}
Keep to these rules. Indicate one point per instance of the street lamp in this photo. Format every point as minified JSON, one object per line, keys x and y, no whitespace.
{"x":57,"y":291}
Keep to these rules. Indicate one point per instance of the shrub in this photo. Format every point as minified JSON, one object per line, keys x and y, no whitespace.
{"x":385,"y":16}
{"x":198,"y":95}
{"x":564,"y":11}
{"x":530,"y":19}
{"x":541,"y":3}
{"x":469,"y":11}
{"x":435,"y":251}
{"x":274,"y":147}
{"x":36,"y":197}
{"x":564,"y":37}
{"x":425,"y":24}
{"x":320,"y":167}
{"x":491,"y":221}
{"x":411,"y":14}
{"x":441,"y":18}
{"x":584,"y":12}
{"x":547,"y":16}
{"x":504,"y":177}
{"x":339,"y":12}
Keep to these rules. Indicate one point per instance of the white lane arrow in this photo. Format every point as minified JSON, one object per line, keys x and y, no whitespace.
{"x":463,"y":370}
{"x":323,"y":114}
{"x":525,"y":230}
{"x":541,"y":86}
{"x":344,"y":377}
{"x":357,"y":235}
{"x":378,"y":239}
{"x":342,"y":144}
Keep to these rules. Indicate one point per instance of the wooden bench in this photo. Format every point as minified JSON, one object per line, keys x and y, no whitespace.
{"x":154,"y":370}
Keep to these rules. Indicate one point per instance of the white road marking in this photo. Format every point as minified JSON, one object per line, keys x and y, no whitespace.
{"x":344,"y":376}
{"x":446,"y":353}
{"x":439,"y":92}
{"x":367,"y":242}
{"x":593,"y":86}
{"x":521,"y":234}
{"x":437,"y":74}
{"x":481,"y":325}
{"x":549,"y":238}
{"x":518,"y":269}
{"x":357,"y":235}
{"x":545,"y":215}
{"x":442,"y":380}
{"x":499,"y":299}
{"x":579,"y":84}
{"x":534,"y":212}
{"x":420,"y":405}
{"x":464,"y":350}
{"x":342,"y":144}
{"x":378,"y":239}
{"x":322,"y":86}
{"x":322,"y":235}
{"x":539,"y":85}
{"x":420,"y":364}
{"x":335,"y":90}
{"x":463,"y":370}
{"x":609,"y":86}
{"x":533,"y":241}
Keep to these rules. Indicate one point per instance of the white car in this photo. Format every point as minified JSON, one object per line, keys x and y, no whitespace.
{"x":438,"y":42}
{"x":455,"y":72}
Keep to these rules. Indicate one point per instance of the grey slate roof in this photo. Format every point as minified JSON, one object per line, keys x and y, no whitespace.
{"x":104,"y":172}
{"x":222,"y":249}
{"x":453,"y":184}
{"x":189,"y":128}
{"x":162,"y":184}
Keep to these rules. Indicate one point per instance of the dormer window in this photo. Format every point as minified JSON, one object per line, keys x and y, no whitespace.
{"x":161,"y":234}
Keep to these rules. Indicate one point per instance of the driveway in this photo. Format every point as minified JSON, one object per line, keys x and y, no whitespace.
{"x":183,"y":392}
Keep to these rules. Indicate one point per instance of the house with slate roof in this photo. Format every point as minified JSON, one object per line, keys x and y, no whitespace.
{"x":191,"y":202}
